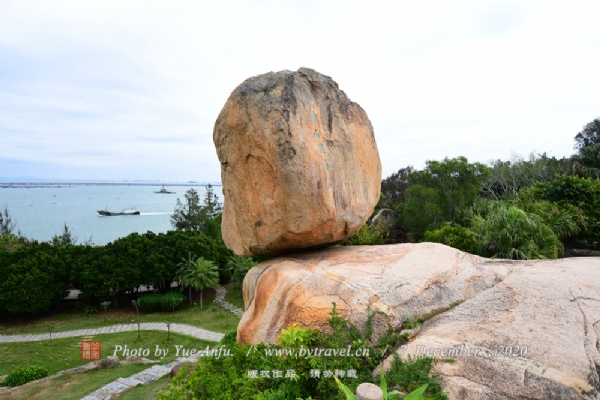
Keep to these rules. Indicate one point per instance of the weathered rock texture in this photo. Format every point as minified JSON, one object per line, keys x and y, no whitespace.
{"x":402,"y":280}
{"x":536,"y":334}
{"x":385,"y":218}
{"x":550,"y":309}
{"x":299,"y":163}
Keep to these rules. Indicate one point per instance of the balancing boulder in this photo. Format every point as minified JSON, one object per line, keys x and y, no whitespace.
{"x":299,"y":163}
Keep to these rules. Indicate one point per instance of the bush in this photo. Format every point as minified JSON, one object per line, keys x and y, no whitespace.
{"x":24,"y":375}
{"x":368,"y":235}
{"x":161,"y":302}
{"x":171,"y":301}
{"x":228,"y":376}
{"x":459,"y":237}
{"x":150,"y":303}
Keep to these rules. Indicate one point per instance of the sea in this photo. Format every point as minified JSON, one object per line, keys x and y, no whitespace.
{"x":40,"y":211}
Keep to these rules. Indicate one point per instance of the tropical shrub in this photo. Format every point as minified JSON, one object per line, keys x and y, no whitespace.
{"x":580,"y":193}
{"x":239,"y":267}
{"x":509,"y":232}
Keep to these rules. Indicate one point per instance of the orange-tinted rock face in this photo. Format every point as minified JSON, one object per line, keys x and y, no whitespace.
{"x":299,"y":163}
{"x":523,"y":329}
{"x":402,"y":280}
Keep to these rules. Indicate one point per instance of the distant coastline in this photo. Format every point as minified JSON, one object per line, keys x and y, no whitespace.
{"x":59,"y":184}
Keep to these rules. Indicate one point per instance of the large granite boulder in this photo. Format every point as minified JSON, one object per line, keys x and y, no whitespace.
{"x":535,"y":335}
{"x":402,"y":280}
{"x":522,"y":330}
{"x":299,"y":163}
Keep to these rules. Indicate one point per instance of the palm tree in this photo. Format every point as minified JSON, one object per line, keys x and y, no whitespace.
{"x":205,"y":273}
{"x":239,"y":267}
{"x":185,"y":267}
{"x":510,"y":232}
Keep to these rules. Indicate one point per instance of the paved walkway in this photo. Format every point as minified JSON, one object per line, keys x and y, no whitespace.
{"x":119,"y":385}
{"x":190,"y":330}
{"x":196,"y":332}
{"x":114,"y":388}
{"x":221,"y":295}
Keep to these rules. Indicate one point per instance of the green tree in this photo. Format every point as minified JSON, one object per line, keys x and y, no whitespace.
{"x":394,"y":187}
{"x":204,"y":274}
{"x":9,"y":239}
{"x":421,"y":211}
{"x":211,"y":203}
{"x":212,"y":227}
{"x":189,"y":215}
{"x":65,"y":239}
{"x":34,"y":282}
{"x":590,"y":135}
{"x":587,"y":162}
{"x":439,"y":192}
{"x":581,"y":193}
{"x":509,"y":177}
{"x":7,"y":226}
{"x":186,"y":266}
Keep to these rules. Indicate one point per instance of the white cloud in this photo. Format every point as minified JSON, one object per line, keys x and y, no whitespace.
{"x":115,"y":85}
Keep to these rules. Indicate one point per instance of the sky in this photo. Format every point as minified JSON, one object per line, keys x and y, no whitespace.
{"x":124,"y":90}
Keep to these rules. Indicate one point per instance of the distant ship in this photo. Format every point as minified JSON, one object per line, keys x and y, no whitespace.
{"x":126,"y":211}
{"x":164,"y":191}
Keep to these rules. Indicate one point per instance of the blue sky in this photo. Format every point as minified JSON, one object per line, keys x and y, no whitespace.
{"x":121,"y":89}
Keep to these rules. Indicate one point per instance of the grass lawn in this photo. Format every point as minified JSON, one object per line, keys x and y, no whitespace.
{"x":65,"y":353}
{"x":211,"y":317}
{"x":148,"y":391}
{"x":76,"y":386}
{"x":234,"y":296}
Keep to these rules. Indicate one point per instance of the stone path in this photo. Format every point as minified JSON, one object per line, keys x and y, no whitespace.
{"x":190,"y":330}
{"x":148,"y":375}
{"x":157,"y":371}
{"x":198,"y":333}
{"x":221,"y":295}
{"x":144,"y":377}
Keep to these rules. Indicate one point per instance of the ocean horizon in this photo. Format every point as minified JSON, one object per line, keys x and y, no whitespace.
{"x":40,"y":209}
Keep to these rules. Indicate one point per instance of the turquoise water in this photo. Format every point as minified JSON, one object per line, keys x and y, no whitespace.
{"x":41,"y":213}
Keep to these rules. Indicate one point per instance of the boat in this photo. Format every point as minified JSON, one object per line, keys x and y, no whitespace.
{"x":164,"y":191}
{"x":125,"y":211}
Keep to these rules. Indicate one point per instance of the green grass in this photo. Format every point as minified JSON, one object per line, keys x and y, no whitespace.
{"x":74,"y":386}
{"x":148,"y":391}
{"x":234,"y":296}
{"x":65,"y":353}
{"x":210,"y":317}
